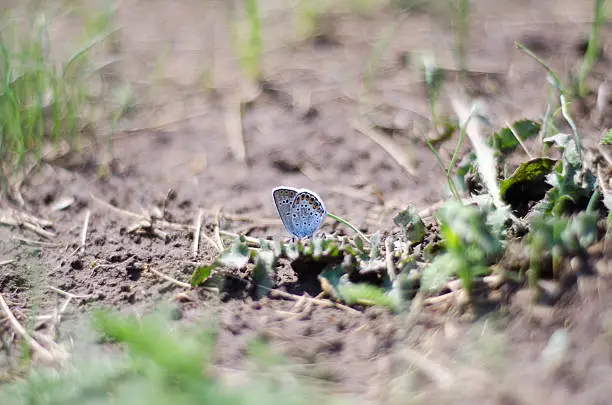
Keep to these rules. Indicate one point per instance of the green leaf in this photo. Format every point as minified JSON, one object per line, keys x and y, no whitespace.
{"x":366,"y":294}
{"x":261,"y":272}
{"x":439,"y":271}
{"x":564,"y":235}
{"x":527,"y":183}
{"x":581,"y":232}
{"x":562,"y":205}
{"x":567,"y":144}
{"x":606,"y":139}
{"x":318,"y":247}
{"x":359,"y":243}
{"x":330,"y":279}
{"x":471,"y":241}
{"x":432,"y":250}
{"x":148,"y":338}
{"x":505,"y":142}
{"x":202,"y":273}
{"x":466,"y":166}
{"x":278,"y":247}
{"x":335,"y":282}
{"x":238,"y":255}
{"x":411,"y":223}
{"x":572,"y":184}
{"x":465,"y":225}
{"x":375,"y":245}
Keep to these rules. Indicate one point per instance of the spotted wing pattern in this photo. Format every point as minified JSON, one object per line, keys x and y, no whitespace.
{"x":307,"y":213}
{"x":283,"y":198}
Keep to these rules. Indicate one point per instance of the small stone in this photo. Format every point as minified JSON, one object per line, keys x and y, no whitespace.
{"x":576,"y":264}
{"x":603,"y":267}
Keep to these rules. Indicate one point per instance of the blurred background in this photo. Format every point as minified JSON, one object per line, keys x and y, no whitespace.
{"x":331,"y":95}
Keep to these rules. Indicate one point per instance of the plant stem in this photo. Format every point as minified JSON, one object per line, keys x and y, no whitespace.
{"x":379,"y":48}
{"x":255,"y":44}
{"x":345,"y":222}
{"x":592,"y":52}
{"x":557,"y":81}
{"x":593,"y":201}
{"x":433,"y":150}
{"x":449,"y":171}
{"x":462,"y":35}
{"x":572,"y":125}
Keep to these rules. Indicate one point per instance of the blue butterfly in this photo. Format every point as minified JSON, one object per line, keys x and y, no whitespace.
{"x":302,"y":211}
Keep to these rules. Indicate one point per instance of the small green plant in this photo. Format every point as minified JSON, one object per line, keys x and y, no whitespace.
{"x":606,"y":138}
{"x":558,"y":237}
{"x":471,"y":244}
{"x":593,"y":51}
{"x":378,"y":50}
{"x":434,"y":81}
{"x":247,"y":39}
{"x":307,"y":15}
{"x":461,"y":24}
{"x":336,"y":261}
{"x":40,"y":103}
{"x":555,"y":81}
{"x":161,"y":363}
{"x":572,"y":184}
{"x":363,"y":7}
{"x":449,"y":170}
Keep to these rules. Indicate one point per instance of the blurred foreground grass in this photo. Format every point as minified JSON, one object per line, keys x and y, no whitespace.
{"x":162,"y":364}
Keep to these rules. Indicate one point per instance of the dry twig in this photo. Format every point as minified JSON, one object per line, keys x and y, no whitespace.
{"x":36,"y":242}
{"x":43,"y":353}
{"x":519,"y":140}
{"x":175,"y":281}
{"x":84,"y":230}
{"x":68,"y":294}
{"x":389,"y":258}
{"x":13,"y":217}
{"x":167,"y":278}
{"x":217,"y":228}
{"x":316,"y":301}
{"x":196,"y":234}
{"x":233,"y":127}
{"x":159,"y":223}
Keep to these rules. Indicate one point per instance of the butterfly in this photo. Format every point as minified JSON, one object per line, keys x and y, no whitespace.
{"x":301,"y":210}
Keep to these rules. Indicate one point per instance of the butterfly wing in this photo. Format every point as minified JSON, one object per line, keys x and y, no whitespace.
{"x":307,"y":213}
{"x":283,"y":198}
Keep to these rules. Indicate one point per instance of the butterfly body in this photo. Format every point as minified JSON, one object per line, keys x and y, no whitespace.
{"x":302,"y":211}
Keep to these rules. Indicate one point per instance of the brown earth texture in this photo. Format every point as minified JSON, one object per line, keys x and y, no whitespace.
{"x":201,"y":145}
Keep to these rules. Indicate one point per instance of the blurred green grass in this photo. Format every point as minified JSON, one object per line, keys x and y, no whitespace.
{"x":158,"y":363}
{"x":43,"y":102}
